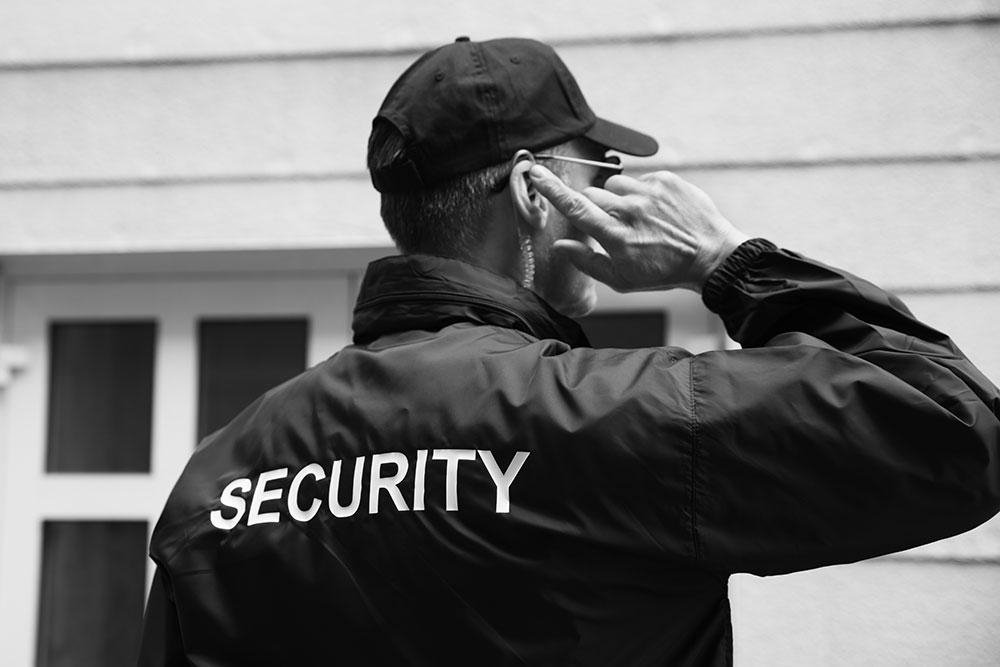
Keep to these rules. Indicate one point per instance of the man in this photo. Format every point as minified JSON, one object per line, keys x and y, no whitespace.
{"x":471,"y":484}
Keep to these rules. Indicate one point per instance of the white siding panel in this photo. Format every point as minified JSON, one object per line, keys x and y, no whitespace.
{"x":228,"y":216}
{"x":50,"y":31}
{"x":190,"y":121}
{"x":927,"y":225}
{"x":830,"y":96}
{"x":919,"y":225}
{"x":898,"y":93}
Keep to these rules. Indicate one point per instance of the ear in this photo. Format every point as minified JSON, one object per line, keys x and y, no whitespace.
{"x":530,"y":205}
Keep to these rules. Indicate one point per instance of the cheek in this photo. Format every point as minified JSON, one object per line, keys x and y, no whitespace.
{"x":585,"y":176}
{"x":559,"y":228}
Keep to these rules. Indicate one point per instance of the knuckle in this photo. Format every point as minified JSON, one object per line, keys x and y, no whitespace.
{"x":575,"y":208}
{"x":632,"y":205}
{"x":665,"y":180}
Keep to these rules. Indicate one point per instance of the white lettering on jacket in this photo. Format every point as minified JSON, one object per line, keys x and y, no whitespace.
{"x":387,"y":472}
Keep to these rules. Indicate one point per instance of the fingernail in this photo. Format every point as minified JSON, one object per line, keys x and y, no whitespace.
{"x":538,"y":171}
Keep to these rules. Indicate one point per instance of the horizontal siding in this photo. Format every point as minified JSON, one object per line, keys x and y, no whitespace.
{"x":806,"y":98}
{"x":235,"y":216}
{"x":924,"y":225}
{"x":123,"y":30}
{"x":927,"y":225}
{"x":858,"y":95}
{"x":200,"y":121}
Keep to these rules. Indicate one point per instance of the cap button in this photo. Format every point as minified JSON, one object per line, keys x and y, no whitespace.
{"x":463,"y":38}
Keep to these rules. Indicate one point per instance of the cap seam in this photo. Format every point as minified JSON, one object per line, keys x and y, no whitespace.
{"x":488,"y":91}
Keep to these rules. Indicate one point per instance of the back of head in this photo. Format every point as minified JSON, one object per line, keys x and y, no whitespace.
{"x":443,"y":137}
{"x":442,"y":219}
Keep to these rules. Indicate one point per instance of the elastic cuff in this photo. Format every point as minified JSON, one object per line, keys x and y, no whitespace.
{"x":732,"y":269}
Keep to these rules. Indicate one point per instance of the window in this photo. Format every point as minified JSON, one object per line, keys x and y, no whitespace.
{"x":101,"y":396}
{"x":238,"y":360}
{"x":92,"y":592}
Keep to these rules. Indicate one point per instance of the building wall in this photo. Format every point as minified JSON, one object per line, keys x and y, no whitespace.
{"x":231,"y":135}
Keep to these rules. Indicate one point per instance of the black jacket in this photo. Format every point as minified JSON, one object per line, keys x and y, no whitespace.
{"x":537,"y":501}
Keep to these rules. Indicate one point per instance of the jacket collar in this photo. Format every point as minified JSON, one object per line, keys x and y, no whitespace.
{"x":426,"y":292}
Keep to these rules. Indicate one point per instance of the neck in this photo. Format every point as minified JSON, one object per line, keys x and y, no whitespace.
{"x":500,"y":250}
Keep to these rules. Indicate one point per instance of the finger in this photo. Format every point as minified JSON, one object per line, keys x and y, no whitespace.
{"x":584,"y":214}
{"x":660,"y":178}
{"x":621,"y":184}
{"x":589,"y":261}
{"x":608,"y":201}
{"x":618,"y":208}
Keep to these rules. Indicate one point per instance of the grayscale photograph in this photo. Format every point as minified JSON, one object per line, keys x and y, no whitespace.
{"x":443,"y":333}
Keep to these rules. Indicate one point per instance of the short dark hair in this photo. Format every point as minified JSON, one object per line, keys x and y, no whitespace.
{"x":447,"y":218}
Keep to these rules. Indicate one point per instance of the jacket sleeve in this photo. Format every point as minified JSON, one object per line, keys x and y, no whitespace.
{"x":161,"y":637}
{"x":845,"y":428}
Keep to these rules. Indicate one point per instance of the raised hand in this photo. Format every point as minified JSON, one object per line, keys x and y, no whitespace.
{"x":659,"y":231}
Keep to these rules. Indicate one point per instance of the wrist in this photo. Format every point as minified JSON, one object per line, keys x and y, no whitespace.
{"x":733,"y":267}
{"x":733,"y":240}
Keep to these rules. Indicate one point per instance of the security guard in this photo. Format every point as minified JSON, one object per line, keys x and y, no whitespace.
{"x":470,"y":483}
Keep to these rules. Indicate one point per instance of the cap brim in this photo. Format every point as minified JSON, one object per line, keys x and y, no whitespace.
{"x":622,"y":139}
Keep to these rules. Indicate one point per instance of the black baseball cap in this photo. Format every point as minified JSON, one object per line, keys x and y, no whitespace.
{"x":469,"y":105}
